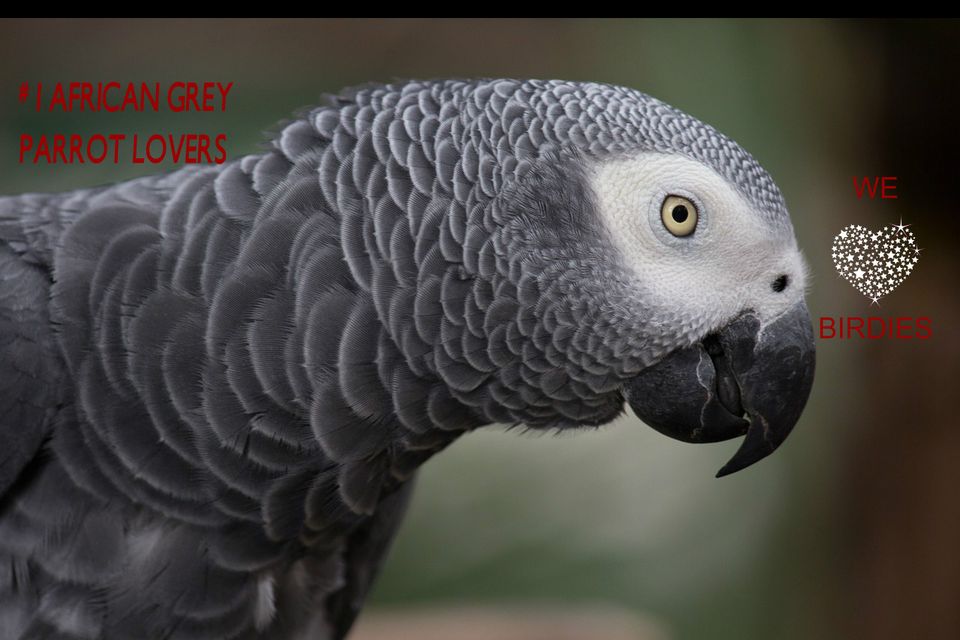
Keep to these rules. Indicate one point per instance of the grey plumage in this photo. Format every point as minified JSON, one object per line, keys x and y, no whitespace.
{"x":218,"y":383}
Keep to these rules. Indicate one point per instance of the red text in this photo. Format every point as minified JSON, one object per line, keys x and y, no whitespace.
{"x":875,"y":328}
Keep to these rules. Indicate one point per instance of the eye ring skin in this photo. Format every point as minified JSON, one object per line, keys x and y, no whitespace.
{"x":674,"y":206}
{"x":655,"y":219}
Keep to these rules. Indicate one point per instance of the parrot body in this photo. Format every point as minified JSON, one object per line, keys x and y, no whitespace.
{"x":216,"y":385}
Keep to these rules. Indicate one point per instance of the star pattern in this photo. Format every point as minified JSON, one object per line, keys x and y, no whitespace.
{"x":875,"y":262}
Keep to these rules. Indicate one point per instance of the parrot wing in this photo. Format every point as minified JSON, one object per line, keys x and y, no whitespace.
{"x":28,"y":373}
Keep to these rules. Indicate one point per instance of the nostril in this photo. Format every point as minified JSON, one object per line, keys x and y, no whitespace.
{"x":781,"y":283}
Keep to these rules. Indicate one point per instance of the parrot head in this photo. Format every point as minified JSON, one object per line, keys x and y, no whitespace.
{"x":660,"y":269}
{"x":724,"y":280}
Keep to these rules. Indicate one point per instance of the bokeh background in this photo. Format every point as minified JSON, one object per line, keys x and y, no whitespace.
{"x":852,"y":530}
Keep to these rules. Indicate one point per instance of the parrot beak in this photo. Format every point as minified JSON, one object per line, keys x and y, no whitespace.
{"x":747,"y":378}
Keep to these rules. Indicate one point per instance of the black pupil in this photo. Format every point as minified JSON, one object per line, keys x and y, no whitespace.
{"x":679,"y":214}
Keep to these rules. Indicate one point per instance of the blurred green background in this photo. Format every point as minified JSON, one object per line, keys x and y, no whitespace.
{"x":852,"y":530}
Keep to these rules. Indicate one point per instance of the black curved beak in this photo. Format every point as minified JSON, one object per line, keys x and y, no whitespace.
{"x":745,"y":379}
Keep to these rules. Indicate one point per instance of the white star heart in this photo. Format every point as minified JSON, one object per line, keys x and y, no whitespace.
{"x":875,"y":263}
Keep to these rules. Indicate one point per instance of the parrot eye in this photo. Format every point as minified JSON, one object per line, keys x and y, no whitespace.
{"x":679,"y":215}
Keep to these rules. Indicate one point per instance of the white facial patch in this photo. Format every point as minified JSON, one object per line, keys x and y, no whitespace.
{"x":697,"y":283}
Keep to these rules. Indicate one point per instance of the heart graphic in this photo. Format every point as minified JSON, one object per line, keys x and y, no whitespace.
{"x":875,"y":262}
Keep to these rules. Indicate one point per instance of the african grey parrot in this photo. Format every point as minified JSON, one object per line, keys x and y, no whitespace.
{"x":217,"y":384}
